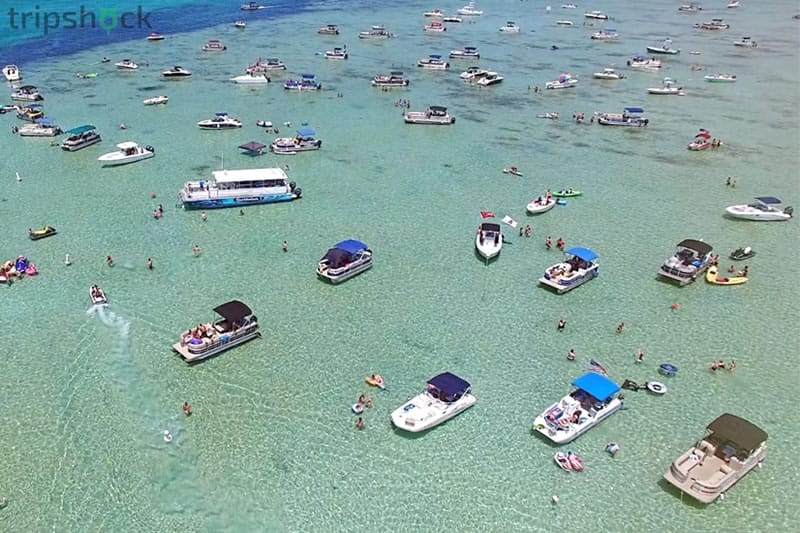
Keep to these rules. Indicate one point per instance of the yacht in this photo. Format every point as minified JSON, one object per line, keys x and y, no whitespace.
{"x":41,"y":127}
{"x":329,"y":29}
{"x":304,"y":141}
{"x":608,"y":74}
{"x":435,"y":115}
{"x":177,"y":72}
{"x":155,"y":37}
{"x":252,"y":78}
{"x":433,"y":62}
{"x":394,"y":79}
{"x":596,"y":15}
{"x":126,"y":64}
{"x":433,"y":13}
{"x":579,"y":266}
{"x":11,"y":73}
{"x":251,"y":6}
{"x":128,"y":152}
{"x":237,"y":188}
{"x":266,"y":65}
{"x":713,"y":24}
{"x":237,"y":325}
{"x":690,"y":8}
{"x":345,"y":260}
{"x":446,"y":396}
{"x":732,"y":448}
{"x":473,"y":74}
{"x":630,"y":117}
{"x":489,"y":240}
{"x":564,"y":81}
{"x":510,"y":27}
{"x":491,"y":78}
{"x":30,"y":112}
{"x":80,"y":137}
{"x":605,"y":35}
{"x":376,"y":32}
{"x":594,"y":399}
{"x":667,"y":88}
{"x":307,"y":82}
{"x":764,"y":208}
{"x":156,"y":100}
{"x":221,"y":121}
{"x":689,"y":261}
{"x":336,"y":53}
{"x":470,"y":10}
{"x":645,"y":63}
{"x":214,"y":45}
{"x":435,"y":26}
{"x":665,"y":48}
{"x":720,"y":78}
{"x":27,"y":93}
{"x":468,"y":52}
{"x":746,"y":42}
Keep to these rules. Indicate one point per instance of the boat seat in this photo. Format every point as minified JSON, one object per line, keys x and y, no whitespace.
{"x":707,"y":447}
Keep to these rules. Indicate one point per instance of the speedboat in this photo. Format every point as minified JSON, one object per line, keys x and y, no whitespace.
{"x":47,"y":231}
{"x":433,"y":62}
{"x":11,"y":73}
{"x":667,"y":88}
{"x":376,"y":32}
{"x":690,"y":8}
{"x":746,"y":42}
{"x":552,"y":115}
{"x":221,"y":121}
{"x":30,"y":112}
{"x":608,"y":74}
{"x":510,"y":27}
{"x":644,"y":63}
{"x":732,"y":448}
{"x":713,"y":24}
{"x":605,"y":35}
{"x":304,"y":141}
{"x":713,"y":277}
{"x":436,"y":115}
{"x":237,"y":188}
{"x":733,"y":5}
{"x":435,"y":26}
{"x":126,"y":64}
{"x":240,"y":24}
{"x":665,"y":48}
{"x":579,"y":266}
{"x":156,"y":100}
{"x":345,"y":260}
{"x":630,"y":117}
{"x":720,"y":78}
{"x":473,"y":74}
{"x":177,"y":72}
{"x":489,"y":240}
{"x":127,"y":152}
{"x":153,"y":37}
{"x":689,"y":260}
{"x":214,"y":45}
{"x":27,"y":93}
{"x":433,"y":13}
{"x":392,"y":80}
{"x":701,"y":141}
{"x":41,"y":127}
{"x":80,"y":137}
{"x":237,"y":324}
{"x":568,"y":6}
{"x":563,"y":461}
{"x":594,"y":399}
{"x":251,"y":6}
{"x":446,"y":396}
{"x":766,"y":208}
{"x":564,"y":23}
{"x":564,"y":81}
{"x":267,"y":65}
{"x":596,"y":15}
{"x":740,"y":254}
{"x":491,"y":78}
{"x":540,"y":205}
{"x":329,"y":29}
{"x":453,"y":20}
{"x":513,"y":171}
{"x":97,"y":296}
{"x":470,"y":10}
{"x":336,"y":53}
{"x":252,"y":78}
{"x":307,"y":82}
{"x":468,"y":52}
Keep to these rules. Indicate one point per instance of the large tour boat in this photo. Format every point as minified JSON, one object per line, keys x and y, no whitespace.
{"x":446,"y":396}
{"x":237,"y":325}
{"x":689,"y":261}
{"x":344,"y":260}
{"x":236,"y":188}
{"x":80,"y":137}
{"x":579,"y":267}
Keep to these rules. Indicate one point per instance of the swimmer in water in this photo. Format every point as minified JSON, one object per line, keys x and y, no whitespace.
{"x":187,"y":409}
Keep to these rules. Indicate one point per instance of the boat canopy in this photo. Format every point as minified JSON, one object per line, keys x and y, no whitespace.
{"x":434,"y":56}
{"x":351,"y":246}
{"x":582,"y":253}
{"x":728,"y":429}
{"x":769,"y":200}
{"x":596,"y":385}
{"x":448,"y":387}
{"x":306,"y":132}
{"x":127,"y":145}
{"x":343,"y":252}
{"x":634,"y":110}
{"x":27,"y":88}
{"x":438,"y":109}
{"x":252,"y":146}
{"x":233,"y":311}
{"x":308,"y":76}
{"x":700,"y":247}
{"x":44,"y":121}
{"x":396,"y":73}
{"x":703,"y":134}
{"x":490,"y":226}
{"x":469,"y":48}
{"x":33,"y":107}
{"x":80,"y":129}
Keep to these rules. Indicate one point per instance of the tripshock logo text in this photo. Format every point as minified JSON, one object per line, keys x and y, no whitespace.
{"x":106,"y":18}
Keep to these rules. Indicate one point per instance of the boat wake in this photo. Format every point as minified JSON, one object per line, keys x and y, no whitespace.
{"x":121,"y":327}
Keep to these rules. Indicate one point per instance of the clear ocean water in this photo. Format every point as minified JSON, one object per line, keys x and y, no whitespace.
{"x":271,"y":445}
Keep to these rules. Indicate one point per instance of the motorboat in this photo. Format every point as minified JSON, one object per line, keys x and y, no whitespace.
{"x":252,"y":78}
{"x":392,"y":80}
{"x":80,"y":137}
{"x":468,"y":52}
{"x":605,"y":35}
{"x":733,"y":5}
{"x":564,"y":23}
{"x":713,"y":277}
{"x":97,"y":296}
{"x":27,"y":93}
{"x":376,"y":32}
{"x":434,"y":13}
{"x":552,"y":115}
{"x":608,"y":74}
{"x":5,"y":108}
{"x":731,"y":449}
{"x":30,"y":112}
{"x":510,"y":27}
{"x":578,"y":267}
{"x":667,"y":88}
{"x":41,"y":127}
{"x":701,"y":141}
{"x":489,"y":240}
{"x":564,"y":81}
{"x":237,"y":324}
{"x":470,"y":10}
{"x":514,"y":171}
{"x":767,"y":208}
{"x":542,"y":204}
{"x":720,"y":78}
{"x":435,"y":115}
{"x":689,"y":261}
{"x":304,"y":141}
{"x":47,"y":231}
{"x":221,"y":121}
{"x":645,"y":63}
{"x":713,"y":24}
{"x":741,"y":254}
{"x":630,"y":117}
{"x":177,"y":72}
{"x":237,"y":188}
{"x":127,"y":152}
{"x":568,"y":6}
{"x":265,"y":65}
{"x":452,"y":20}
{"x":746,"y":42}
{"x":251,"y":6}
{"x":126,"y":64}
{"x":329,"y":29}
{"x":594,"y":399}
{"x":214,"y":45}
{"x":433,"y":62}
{"x":596,"y":15}
{"x":665,"y":48}
{"x":11,"y":73}
{"x":344,"y":260}
{"x":446,"y":396}
{"x":307,"y":82}
{"x":562,"y":460}
{"x":435,"y":26}
{"x":690,"y":8}
{"x":155,"y":37}
{"x":336,"y":53}
{"x":156,"y":100}
{"x":491,"y":78}
{"x":473,"y":74}
{"x":240,"y":24}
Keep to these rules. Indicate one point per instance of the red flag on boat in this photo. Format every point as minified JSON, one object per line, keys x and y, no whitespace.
{"x":487,"y":214}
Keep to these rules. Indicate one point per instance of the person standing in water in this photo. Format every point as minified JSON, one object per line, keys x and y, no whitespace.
{"x":285,"y":246}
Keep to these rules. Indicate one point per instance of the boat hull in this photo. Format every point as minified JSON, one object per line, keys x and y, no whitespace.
{"x":113,"y":160}
{"x":349,"y":273}
{"x":423,"y":412}
{"x":535,"y":208}
{"x":233,"y":339}
{"x":563,"y":434}
{"x":217,"y":203}
{"x":742,"y":212}
{"x":563,"y":284}
{"x":74,"y":147}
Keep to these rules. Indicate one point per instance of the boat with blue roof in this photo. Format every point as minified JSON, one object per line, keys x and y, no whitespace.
{"x":27,"y":93}
{"x":308,"y":82}
{"x":393,"y":80}
{"x":446,"y":396}
{"x":579,"y":267}
{"x":468,"y":52}
{"x":691,"y":258}
{"x":344,"y":260}
{"x":433,"y":62}
{"x":41,"y":127}
{"x":630,"y":117}
{"x":594,"y":398}
{"x":80,"y":137}
{"x":304,"y":141}
{"x":237,"y":188}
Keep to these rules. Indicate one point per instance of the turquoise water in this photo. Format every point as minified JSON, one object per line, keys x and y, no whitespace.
{"x":271,"y":444}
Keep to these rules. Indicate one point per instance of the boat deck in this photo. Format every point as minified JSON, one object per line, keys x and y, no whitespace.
{"x":218,"y":340}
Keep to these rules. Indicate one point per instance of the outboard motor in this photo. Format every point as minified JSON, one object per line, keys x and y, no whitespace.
{"x":150,"y":148}
{"x":789,"y":211}
{"x":298,"y":192}
{"x":292,"y":186}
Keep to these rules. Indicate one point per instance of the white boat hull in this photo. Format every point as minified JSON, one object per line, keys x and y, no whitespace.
{"x":745,"y":212}
{"x":113,"y":159}
{"x":424,"y":412}
{"x":562,"y":434}
{"x":562,"y":278}
{"x":251,"y":79}
{"x":534,"y":208}
{"x":489,"y":248}
{"x":339,"y":276}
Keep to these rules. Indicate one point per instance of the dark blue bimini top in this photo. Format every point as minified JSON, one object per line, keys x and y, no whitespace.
{"x":634,"y":110}
{"x":351,"y":246}
{"x":306,"y":132}
{"x":450,"y":386}
{"x":598,"y":386}
{"x":769,"y":200}
{"x":582,"y":253}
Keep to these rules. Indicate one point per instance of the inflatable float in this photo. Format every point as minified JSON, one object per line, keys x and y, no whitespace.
{"x":562,"y":460}
{"x":358,"y":408}
{"x":575,"y":462}
{"x":656,"y":387}
{"x":167,"y":436}
{"x":376,"y":381}
{"x":713,"y":278}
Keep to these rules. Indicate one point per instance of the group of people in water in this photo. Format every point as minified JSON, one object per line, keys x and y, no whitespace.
{"x":720,"y":365}
{"x":560,"y":243}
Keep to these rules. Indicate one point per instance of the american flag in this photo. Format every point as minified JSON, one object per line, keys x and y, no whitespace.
{"x":594,"y":366}
{"x":487,"y":214}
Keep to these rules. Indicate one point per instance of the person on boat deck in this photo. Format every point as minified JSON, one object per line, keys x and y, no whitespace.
{"x":576,"y":417}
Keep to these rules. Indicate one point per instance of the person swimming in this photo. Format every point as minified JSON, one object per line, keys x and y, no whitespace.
{"x":187,"y":409}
